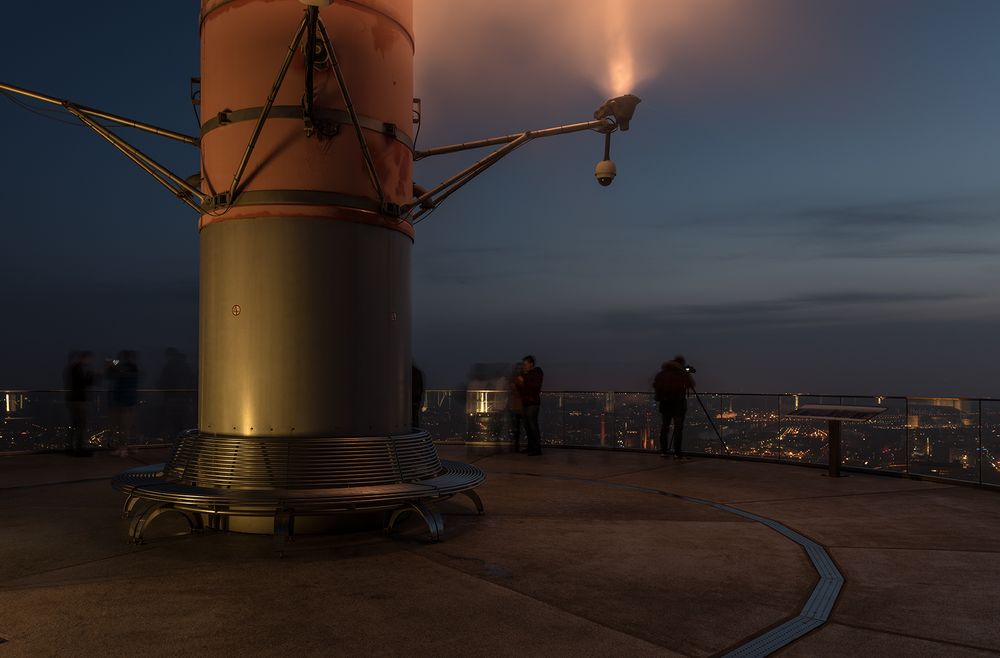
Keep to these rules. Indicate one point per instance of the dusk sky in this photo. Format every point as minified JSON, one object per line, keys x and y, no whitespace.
{"x":808,"y":199}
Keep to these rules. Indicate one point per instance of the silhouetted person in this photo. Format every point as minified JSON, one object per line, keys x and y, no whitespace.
{"x":175,"y":381}
{"x":671,"y":385}
{"x":530,"y":390}
{"x":515,"y":407}
{"x":123,"y":396}
{"x":77,"y":378}
{"x":417,"y":394}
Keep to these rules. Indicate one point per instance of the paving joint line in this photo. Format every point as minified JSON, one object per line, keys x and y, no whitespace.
{"x":814,"y":613}
{"x":843,"y":495}
{"x":912,"y":548}
{"x":539,"y":601}
{"x":922,"y":638}
{"x":45,"y":572}
{"x":55,"y":484}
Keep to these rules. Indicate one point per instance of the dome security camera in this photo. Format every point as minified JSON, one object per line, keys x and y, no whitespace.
{"x":605,"y":172}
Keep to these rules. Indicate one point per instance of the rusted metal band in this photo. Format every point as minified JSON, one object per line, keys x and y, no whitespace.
{"x":305,"y":198}
{"x":335,"y":206}
{"x":356,"y":5}
{"x":337,"y":117}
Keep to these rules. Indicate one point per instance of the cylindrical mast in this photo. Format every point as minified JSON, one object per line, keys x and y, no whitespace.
{"x":305,"y":365}
{"x":305,"y":303}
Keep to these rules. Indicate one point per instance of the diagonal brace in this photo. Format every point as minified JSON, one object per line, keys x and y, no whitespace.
{"x":183,"y":190}
{"x":100,"y":114}
{"x":428,"y":201}
{"x":365,"y":152}
{"x":238,"y":176}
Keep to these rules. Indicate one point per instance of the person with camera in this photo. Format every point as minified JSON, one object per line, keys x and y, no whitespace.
{"x":671,"y":386}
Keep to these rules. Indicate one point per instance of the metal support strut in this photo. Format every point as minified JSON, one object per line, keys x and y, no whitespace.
{"x":178,"y":186}
{"x":100,"y":114}
{"x":312,"y":16}
{"x":296,"y":40}
{"x":342,"y":83}
{"x":164,"y":176}
{"x":427,"y":200}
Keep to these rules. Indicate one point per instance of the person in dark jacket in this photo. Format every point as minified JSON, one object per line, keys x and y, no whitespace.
{"x":515,"y":406}
{"x":78,"y":377}
{"x":530,"y":390}
{"x":416,"y":394}
{"x":123,"y":387}
{"x":671,"y":385}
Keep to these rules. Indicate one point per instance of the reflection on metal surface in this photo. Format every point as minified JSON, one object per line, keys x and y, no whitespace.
{"x":315,"y":350}
{"x":211,"y":478}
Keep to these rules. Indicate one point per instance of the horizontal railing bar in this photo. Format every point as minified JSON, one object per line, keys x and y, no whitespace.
{"x":585,"y":392}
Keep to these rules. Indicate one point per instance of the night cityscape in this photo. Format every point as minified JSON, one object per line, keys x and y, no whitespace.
{"x":425,"y":283}
{"x":940,"y":437}
{"x":943,"y":434}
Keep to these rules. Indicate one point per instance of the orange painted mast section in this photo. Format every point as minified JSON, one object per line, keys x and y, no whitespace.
{"x":242,"y":44}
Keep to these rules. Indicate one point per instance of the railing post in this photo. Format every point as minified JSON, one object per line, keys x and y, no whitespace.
{"x":906,"y":432}
{"x":833,"y":449}
{"x":979,"y":450}
{"x":562,"y":417}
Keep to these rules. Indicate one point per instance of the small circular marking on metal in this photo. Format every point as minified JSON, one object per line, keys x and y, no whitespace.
{"x":236,"y":309}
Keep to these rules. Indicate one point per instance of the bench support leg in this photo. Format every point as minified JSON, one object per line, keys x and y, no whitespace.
{"x":476,"y":500}
{"x":431,"y":517}
{"x":129,"y":506}
{"x":284,"y":529}
{"x":148,"y":515}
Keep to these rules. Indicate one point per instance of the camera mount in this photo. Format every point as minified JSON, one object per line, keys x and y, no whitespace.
{"x":614,"y":114}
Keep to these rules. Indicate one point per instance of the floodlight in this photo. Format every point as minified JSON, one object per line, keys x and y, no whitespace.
{"x":621,"y":108}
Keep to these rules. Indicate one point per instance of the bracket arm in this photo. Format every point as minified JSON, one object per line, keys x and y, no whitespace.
{"x":100,"y":114}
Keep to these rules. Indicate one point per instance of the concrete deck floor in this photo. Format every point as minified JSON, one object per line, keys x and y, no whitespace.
{"x":564,"y":562}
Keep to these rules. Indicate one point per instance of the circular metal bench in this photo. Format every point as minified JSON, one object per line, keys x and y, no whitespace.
{"x":210,"y":479}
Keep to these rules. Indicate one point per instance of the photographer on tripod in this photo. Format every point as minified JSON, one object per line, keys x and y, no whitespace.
{"x":671,"y":386}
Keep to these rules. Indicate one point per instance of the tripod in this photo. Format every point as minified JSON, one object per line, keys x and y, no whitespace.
{"x":711,"y":422}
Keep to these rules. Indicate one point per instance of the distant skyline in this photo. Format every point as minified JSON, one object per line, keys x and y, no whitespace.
{"x":808,"y":199}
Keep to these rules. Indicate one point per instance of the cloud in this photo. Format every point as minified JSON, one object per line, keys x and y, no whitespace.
{"x":922,"y":252}
{"x":823,"y":308}
{"x":918,"y":229}
{"x":898,"y":215}
{"x":930,"y":228}
{"x":895,"y":215}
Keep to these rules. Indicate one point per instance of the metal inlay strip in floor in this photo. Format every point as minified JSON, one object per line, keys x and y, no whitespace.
{"x":816,"y":610}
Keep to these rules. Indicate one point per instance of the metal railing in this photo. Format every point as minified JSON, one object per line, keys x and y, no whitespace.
{"x":38,"y":420}
{"x":949,"y":438}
